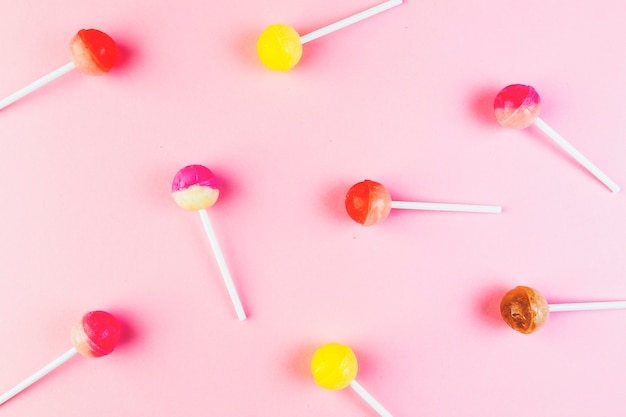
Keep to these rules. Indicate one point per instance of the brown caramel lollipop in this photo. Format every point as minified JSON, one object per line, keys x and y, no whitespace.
{"x":524,"y":309}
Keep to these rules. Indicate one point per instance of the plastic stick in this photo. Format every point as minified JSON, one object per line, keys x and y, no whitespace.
{"x":36,"y":84}
{"x":38,"y":375}
{"x":349,"y":20}
{"x":369,"y":399}
{"x":586,"y":163}
{"x":601,"y":305}
{"x":230,"y":286}
{"x":471,"y":208}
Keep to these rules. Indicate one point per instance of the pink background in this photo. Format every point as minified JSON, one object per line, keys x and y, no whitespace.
{"x":404,"y":98}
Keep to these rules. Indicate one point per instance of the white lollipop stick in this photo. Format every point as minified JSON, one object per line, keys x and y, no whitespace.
{"x":349,"y":20}
{"x":369,"y":399}
{"x":586,"y":163}
{"x":601,"y":305}
{"x":38,"y":375}
{"x":471,"y":208}
{"x":221,"y":262}
{"x":37,"y":84}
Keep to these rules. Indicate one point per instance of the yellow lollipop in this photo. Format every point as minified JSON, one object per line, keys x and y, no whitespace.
{"x":280,"y":46}
{"x":334,"y":366}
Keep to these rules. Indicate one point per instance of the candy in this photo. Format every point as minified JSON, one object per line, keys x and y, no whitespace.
{"x":279,"y":46}
{"x":95,"y":335}
{"x":369,"y":202}
{"x":517,"y":106}
{"x":196,"y":188}
{"x":524,"y":309}
{"x":334,"y":366}
{"x":92,"y":52}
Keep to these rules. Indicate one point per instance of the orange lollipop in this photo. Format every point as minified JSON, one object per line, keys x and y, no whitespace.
{"x":369,"y":202}
{"x":92,"y":52}
{"x":524,"y":309}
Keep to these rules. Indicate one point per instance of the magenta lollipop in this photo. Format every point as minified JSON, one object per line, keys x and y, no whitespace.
{"x":517,"y":106}
{"x":196,"y":188}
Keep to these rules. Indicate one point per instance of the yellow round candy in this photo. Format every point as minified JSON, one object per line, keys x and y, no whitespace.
{"x":334,"y":366}
{"x":279,"y":47}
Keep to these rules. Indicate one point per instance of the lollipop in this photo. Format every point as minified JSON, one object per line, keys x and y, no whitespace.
{"x":334,"y":367}
{"x":517,"y":106}
{"x":280,"y":46}
{"x":95,"y":335}
{"x":196,"y":188}
{"x":92,"y":52}
{"x":524,"y":309}
{"x":368,"y":203}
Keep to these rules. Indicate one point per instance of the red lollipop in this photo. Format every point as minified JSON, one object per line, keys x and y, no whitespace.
{"x":368,"y":203}
{"x":96,"y":334}
{"x":93,"y":53}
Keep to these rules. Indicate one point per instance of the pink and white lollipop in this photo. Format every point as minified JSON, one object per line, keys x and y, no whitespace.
{"x":95,"y":335}
{"x":517,"y":106}
{"x":92,"y":52}
{"x":196,"y":188}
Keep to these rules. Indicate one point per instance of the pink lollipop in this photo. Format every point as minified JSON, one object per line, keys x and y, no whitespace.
{"x":196,"y":188}
{"x":92,"y":52}
{"x":517,"y":106}
{"x":95,"y":335}
{"x":368,"y":203}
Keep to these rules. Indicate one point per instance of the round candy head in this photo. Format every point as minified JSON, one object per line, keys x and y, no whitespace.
{"x":93,"y":52}
{"x":517,"y":106}
{"x":334,"y":366}
{"x":524,"y":309}
{"x":279,"y":47}
{"x":368,"y":202}
{"x":96,"y":334}
{"x":195,"y":188}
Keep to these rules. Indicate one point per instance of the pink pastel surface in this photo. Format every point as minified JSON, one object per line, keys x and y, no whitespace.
{"x":406,"y":98}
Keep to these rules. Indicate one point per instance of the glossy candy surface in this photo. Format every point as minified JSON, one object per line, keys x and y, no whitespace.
{"x":96,"y":334}
{"x":524,"y":309}
{"x":279,"y":47}
{"x":93,"y":52}
{"x":334,"y":366}
{"x":517,"y":106}
{"x":368,"y":203}
{"x":195,"y":188}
